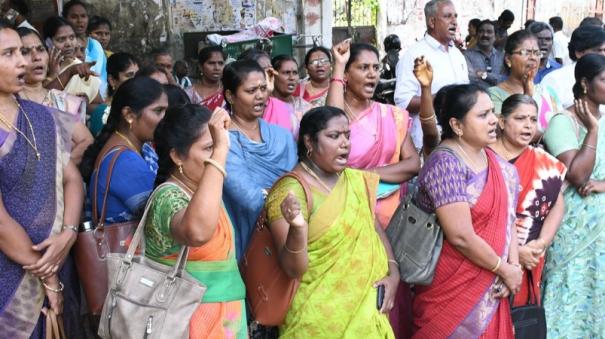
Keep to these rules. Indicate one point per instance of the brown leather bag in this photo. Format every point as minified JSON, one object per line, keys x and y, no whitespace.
{"x":94,"y":243}
{"x":269,"y":289}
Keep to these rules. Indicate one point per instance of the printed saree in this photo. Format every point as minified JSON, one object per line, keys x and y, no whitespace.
{"x":458,"y":303}
{"x":573,"y":289}
{"x":252,"y":168}
{"x":32,"y":193}
{"x":376,"y":138}
{"x":316,"y":100}
{"x":211,"y":102}
{"x":336,"y":297}
{"x":541,"y":177}
{"x":222,"y":311}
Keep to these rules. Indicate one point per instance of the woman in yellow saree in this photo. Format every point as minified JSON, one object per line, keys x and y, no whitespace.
{"x":337,"y":250}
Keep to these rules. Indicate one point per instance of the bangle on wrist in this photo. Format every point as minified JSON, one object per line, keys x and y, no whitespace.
{"x":590,"y":147}
{"x":73,"y":228}
{"x":216,"y":165}
{"x":497,"y":265}
{"x":427,"y":119}
{"x":295,"y":252}
{"x":341,"y":81}
{"x":392,"y":261}
{"x":55,"y":290}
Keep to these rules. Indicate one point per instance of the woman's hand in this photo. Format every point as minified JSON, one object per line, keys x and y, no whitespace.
{"x":500,"y":290}
{"x":529,"y":257}
{"x":423,"y":71}
{"x":511,"y":276}
{"x":528,"y":82}
{"x":56,"y":247}
{"x":219,"y":128}
{"x":584,"y":115}
{"x":290,"y":209}
{"x":55,"y":299}
{"x":54,"y":62}
{"x":592,"y":186}
{"x":270,"y":75}
{"x":341,"y":52}
{"x":84,"y":70}
{"x":390,"y":283}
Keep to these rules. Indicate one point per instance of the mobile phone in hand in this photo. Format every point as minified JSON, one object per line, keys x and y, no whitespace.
{"x":379,"y":296}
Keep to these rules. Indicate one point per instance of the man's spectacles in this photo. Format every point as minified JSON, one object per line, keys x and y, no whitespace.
{"x":319,"y":62}
{"x":527,"y":52}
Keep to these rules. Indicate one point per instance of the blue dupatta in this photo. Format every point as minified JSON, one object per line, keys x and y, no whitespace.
{"x":252,"y":168}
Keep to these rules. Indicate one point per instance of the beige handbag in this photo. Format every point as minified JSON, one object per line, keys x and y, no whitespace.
{"x":147,"y":299}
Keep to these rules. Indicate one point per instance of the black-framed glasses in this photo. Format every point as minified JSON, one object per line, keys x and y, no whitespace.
{"x":527,"y":52}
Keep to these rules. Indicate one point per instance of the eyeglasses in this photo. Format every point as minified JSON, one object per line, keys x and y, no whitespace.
{"x":527,"y":52}
{"x":319,"y":62}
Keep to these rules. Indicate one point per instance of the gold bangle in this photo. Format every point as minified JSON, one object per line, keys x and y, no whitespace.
{"x":394,"y":262}
{"x":56,"y":290}
{"x":297,"y":251}
{"x":431,"y":118}
{"x":590,"y":146}
{"x":217,"y":166}
{"x":497,"y":265}
{"x":73,"y":228}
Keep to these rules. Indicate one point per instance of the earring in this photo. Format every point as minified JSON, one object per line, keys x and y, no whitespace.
{"x":508,"y":64}
{"x":584,"y":90}
{"x":130,"y":124}
{"x":309,"y":154}
{"x":180,"y":168}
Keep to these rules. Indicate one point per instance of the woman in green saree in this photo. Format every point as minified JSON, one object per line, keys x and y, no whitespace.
{"x":338,"y":252}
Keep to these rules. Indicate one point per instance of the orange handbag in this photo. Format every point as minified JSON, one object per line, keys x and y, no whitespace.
{"x":269,"y":289}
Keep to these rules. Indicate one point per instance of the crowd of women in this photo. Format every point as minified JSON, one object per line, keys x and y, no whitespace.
{"x":517,"y":193}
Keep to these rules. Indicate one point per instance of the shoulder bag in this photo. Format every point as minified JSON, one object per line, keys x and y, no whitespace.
{"x":416,"y":238}
{"x":269,"y":289}
{"x":529,"y":320}
{"x":148,"y":299}
{"x":95,"y":241}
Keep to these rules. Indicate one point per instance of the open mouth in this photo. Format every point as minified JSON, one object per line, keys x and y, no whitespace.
{"x":342,"y":159}
{"x":492,"y":133}
{"x":291,"y":87}
{"x":452,"y":30}
{"x":259,"y":108}
{"x":40,"y":69}
{"x":526,"y":135}
{"x":21,"y":78}
{"x":370,"y":86}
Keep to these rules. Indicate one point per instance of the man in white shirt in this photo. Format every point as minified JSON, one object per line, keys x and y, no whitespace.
{"x":584,"y":40}
{"x":437,"y":46}
{"x":560,"y":41}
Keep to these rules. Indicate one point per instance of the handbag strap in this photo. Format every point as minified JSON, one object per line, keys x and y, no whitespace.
{"x":99,"y":221}
{"x":137,"y":238}
{"x":532,"y":296}
{"x":303,"y":183}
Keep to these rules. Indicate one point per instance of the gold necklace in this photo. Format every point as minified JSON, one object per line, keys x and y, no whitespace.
{"x":315,"y":176}
{"x":506,"y":151}
{"x":127,"y":140}
{"x":348,"y":110}
{"x":33,"y":144}
{"x":173,"y":177}
{"x":24,"y":95}
{"x":468,"y":158}
{"x":239,"y":127}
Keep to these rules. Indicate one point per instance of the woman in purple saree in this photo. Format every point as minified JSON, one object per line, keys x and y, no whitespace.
{"x":40,"y":202}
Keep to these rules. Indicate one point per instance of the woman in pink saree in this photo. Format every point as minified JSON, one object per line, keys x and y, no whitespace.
{"x":379,"y":143}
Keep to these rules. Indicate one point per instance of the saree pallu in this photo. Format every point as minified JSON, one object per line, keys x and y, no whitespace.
{"x":376,"y":138}
{"x":574,"y":288}
{"x":316,"y":100}
{"x":281,"y":114}
{"x":32,"y":193}
{"x":252,"y":168}
{"x":458,"y":304}
{"x":211,"y":102}
{"x":541,"y":177}
{"x":336,"y":297}
{"x":222,"y":312}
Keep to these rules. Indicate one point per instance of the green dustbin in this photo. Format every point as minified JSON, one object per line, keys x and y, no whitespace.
{"x":279,"y":44}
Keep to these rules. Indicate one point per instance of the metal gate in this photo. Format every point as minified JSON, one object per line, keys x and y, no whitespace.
{"x":356,"y":19}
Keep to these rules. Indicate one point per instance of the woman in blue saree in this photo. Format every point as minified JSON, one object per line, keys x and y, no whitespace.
{"x":40,"y":202}
{"x":137,"y":107}
{"x":259,"y":152}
